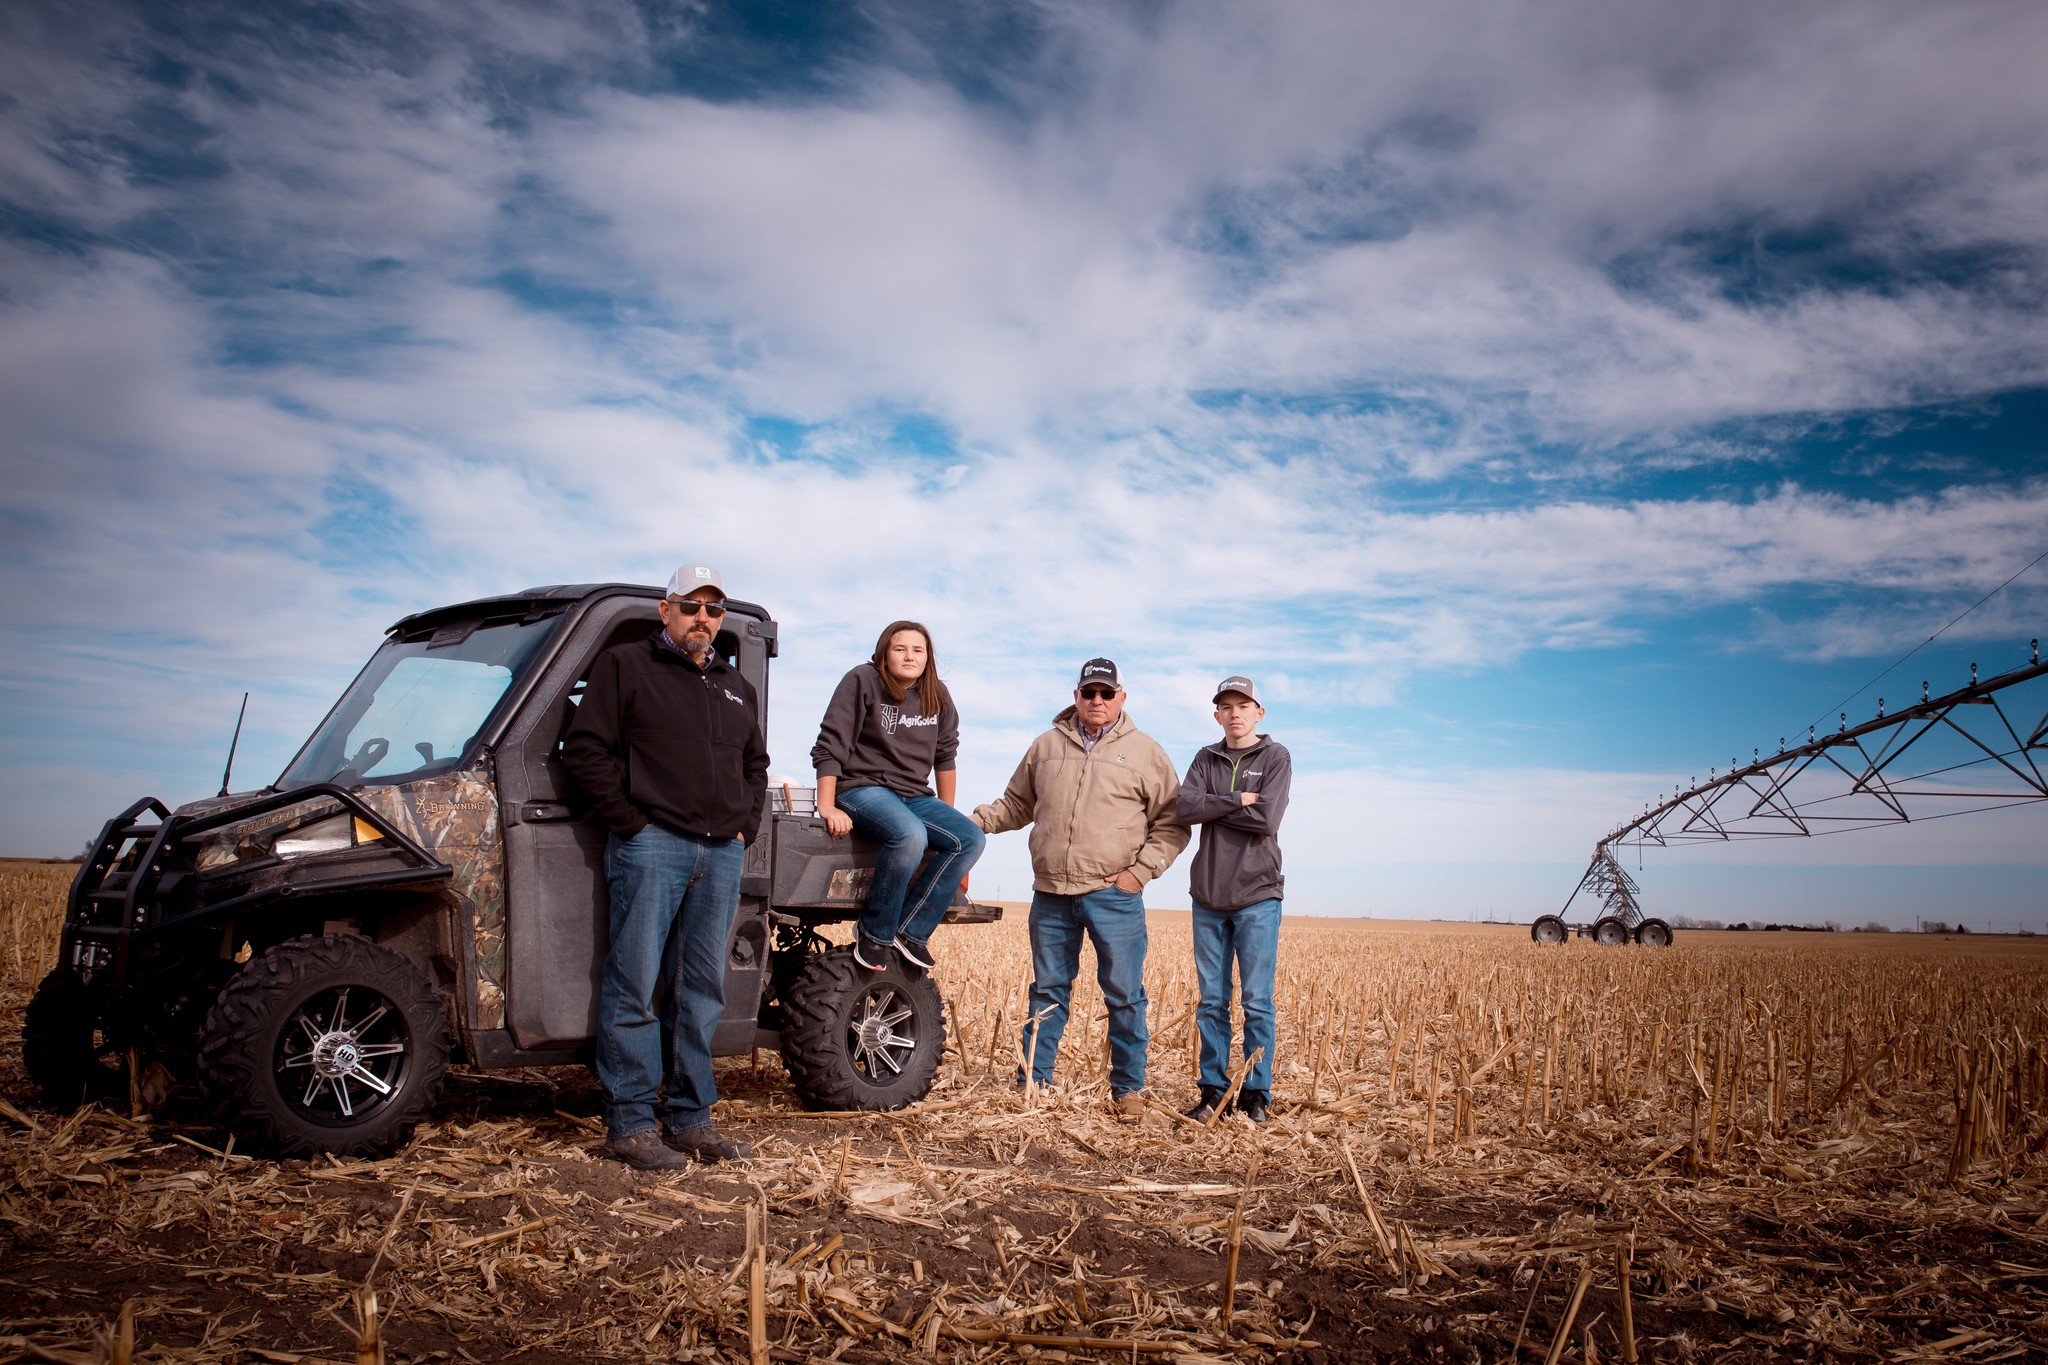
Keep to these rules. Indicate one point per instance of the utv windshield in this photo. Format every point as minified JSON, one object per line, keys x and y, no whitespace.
{"x":417,"y":708}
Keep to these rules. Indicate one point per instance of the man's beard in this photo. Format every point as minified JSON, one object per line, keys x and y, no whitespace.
{"x":696,"y":644}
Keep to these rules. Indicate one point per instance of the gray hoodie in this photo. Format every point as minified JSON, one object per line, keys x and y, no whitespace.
{"x":1238,"y":863}
{"x":867,"y":740}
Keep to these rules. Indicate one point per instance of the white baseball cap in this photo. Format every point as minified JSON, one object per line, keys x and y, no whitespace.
{"x":691,"y":577}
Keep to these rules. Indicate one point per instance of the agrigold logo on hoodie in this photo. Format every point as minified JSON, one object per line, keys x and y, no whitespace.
{"x":892,"y":716}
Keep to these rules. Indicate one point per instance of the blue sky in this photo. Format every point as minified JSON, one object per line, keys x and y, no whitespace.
{"x":1543,"y":403}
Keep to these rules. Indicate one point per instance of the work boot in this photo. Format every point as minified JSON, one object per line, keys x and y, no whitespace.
{"x":1211,"y":1097}
{"x":1255,"y":1105}
{"x":706,"y":1144}
{"x":1130,"y":1107}
{"x":644,"y":1151}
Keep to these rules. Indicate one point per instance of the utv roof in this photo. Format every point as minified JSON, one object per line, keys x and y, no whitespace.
{"x":539,"y":600}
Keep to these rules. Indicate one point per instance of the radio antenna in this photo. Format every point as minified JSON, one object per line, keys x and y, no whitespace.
{"x":225,"y":772}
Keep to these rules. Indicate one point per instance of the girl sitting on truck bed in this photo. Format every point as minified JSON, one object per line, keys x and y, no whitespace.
{"x":891,"y":730}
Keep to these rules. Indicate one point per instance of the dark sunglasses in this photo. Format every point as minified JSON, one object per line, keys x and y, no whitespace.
{"x":689,"y":606}
{"x":1098,"y":693}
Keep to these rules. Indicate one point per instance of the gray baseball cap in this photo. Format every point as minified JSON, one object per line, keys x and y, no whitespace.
{"x":1237,"y":682}
{"x":691,"y":577}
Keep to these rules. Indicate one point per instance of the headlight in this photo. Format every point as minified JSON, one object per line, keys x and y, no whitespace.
{"x":323,"y":836}
{"x":317,"y":826}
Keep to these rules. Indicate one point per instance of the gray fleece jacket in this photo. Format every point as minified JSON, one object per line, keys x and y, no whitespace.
{"x":1238,"y":863}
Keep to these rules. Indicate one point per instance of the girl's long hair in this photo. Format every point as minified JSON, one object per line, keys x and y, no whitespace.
{"x":931,"y":693}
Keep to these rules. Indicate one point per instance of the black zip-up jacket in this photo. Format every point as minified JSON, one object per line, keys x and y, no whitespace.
{"x":658,"y":739}
{"x":1238,"y":863}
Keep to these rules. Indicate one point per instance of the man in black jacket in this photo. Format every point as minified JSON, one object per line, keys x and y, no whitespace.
{"x":667,"y":744}
{"x":1236,"y":790}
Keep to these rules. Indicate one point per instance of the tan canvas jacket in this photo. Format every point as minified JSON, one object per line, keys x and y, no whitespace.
{"x":1093,"y":812}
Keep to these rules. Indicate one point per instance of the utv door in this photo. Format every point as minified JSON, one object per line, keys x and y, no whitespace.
{"x":557,"y":911}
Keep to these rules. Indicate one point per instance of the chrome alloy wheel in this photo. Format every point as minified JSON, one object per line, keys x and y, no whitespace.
{"x":878,"y":1046}
{"x":342,"y":1054}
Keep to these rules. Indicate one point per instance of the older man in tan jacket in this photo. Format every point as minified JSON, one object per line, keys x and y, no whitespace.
{"x":1100,"y":796}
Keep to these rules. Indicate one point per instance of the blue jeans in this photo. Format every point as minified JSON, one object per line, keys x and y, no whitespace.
{"x":905,"y":827}
{"x":673,"y":900}
{"x":1252,"y":937}
{"x":1115,"y":923}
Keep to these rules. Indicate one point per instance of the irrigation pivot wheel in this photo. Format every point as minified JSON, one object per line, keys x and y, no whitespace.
{"x":861,"y":1040}
{"x":1548,"y":929}
{"x":1610,"y":932}
{"x":1653,"y":933}
{"x":330,"y":1044}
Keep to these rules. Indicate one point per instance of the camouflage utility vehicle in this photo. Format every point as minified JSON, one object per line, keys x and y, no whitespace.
{"x":422,"y":886}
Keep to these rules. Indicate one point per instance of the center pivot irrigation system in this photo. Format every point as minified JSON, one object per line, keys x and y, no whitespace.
{"x":1942,"y":756}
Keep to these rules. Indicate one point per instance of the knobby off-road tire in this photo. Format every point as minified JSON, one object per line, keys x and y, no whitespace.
{"x":71,"y":1053}
{"x":1548,"y":929}
{"x":857,"y":1039}
{"x":325,"y":1045}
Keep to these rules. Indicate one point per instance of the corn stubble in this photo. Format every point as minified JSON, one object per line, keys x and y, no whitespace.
{"x":1741,"y":1147}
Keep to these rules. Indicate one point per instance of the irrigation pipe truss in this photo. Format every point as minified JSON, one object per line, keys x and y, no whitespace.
{"x":1967,"y":751}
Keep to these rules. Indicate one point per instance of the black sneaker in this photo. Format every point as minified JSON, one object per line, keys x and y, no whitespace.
{"x":868,"y":956}
{"x":914,"y":954}
{"x":706,"y":1144}
{"x":1254,"y":1105}
{"x":645,"y":1152}
{"x":1211,"y":1097}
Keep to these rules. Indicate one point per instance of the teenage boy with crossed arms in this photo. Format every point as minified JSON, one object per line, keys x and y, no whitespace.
{"x":1236,"y":789}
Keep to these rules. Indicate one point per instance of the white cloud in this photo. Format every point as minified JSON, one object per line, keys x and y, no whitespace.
{"x":918,"y":247}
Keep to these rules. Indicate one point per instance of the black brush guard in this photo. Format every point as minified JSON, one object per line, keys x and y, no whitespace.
{"x":140,"y":879}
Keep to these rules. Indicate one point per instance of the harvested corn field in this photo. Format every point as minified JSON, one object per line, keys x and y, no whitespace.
{"x":1747,"y":1147}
